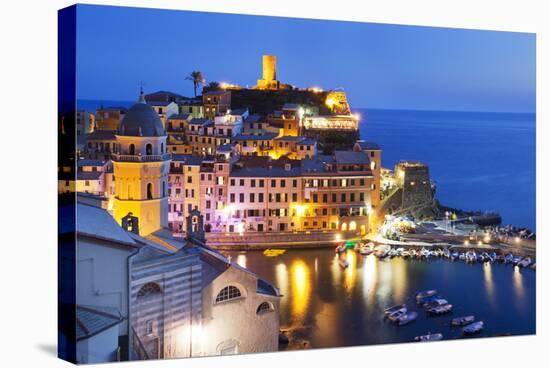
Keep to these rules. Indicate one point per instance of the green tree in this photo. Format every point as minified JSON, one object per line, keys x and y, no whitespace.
{"x":197,"y":79}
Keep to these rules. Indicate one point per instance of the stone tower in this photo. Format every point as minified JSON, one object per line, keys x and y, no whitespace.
{"x":140,"y":169}
{"x":269,"y":73}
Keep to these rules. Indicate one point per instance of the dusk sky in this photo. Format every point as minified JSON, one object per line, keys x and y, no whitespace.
{"x":378,"y":65}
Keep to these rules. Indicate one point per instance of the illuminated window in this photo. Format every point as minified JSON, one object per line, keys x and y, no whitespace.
{"x":228,"y":293}
{"x":264,"y":308}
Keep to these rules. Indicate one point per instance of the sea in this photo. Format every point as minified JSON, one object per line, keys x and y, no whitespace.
{"x":479,"y":161}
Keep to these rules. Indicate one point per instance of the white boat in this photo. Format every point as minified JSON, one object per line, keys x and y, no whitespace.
{"x":473,"y":328}
{"x":407,"y":318}
{"x":462,"y":321}
{"x":429,"y":337}
{"x":516,"y":260}
{"x":365,"y":251}
{"x":435,"y":303}
{"x":343,"y":263}
{"x":525,"y":262}
{"x":395,"y":316}
{"x":509,"y":258}
{"x":447,"y":253}
{"x":420,"y":296}
{"x":405,"y":254}
{"x":394,"y":308}
{"x":441,"y":309}
{"x":425,"y":253}
{"x":400,"y":251}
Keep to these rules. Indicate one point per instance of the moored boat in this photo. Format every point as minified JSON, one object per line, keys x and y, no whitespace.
{"x":364,"y":250}
{"x":462,"y":321}
{"x":473,"y":328}
{"x":343,"y":263}
{"x":429,"y":337}
{"x":422,"y":295}
{"x":442,"y":309}
{"x":509,"y":258}
{"x":407,"y":318}
{"x":447,"y":253}
{"x":436,"y":302}
{"x":394,"y":308}
{"x":525,"y":262}
{"x":394,"y":317}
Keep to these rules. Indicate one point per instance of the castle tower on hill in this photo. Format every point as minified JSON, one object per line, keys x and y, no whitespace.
{"x":269,"y":73}
{"x":141,"y":169}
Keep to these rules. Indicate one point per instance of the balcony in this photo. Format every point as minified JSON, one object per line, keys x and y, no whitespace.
{"x":141,"y":158}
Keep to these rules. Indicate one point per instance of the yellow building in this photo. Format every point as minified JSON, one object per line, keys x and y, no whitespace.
{"x":141,"y":168}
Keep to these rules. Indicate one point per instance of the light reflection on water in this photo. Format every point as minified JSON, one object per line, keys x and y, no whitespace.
{"x":325,"y":305}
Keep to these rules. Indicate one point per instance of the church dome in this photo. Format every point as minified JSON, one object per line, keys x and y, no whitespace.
{"x":141,"y":121}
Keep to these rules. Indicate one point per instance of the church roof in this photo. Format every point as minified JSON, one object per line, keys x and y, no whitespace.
{"x":141,"y":121}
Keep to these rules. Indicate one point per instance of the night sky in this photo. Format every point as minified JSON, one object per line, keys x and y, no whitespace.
{"x":378,"y":65}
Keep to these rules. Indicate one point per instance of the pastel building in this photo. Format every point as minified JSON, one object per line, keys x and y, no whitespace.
{"x":216,"y":103}
{"x":156,"y":297}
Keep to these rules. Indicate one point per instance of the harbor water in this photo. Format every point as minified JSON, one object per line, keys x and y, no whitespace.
{"x":324,"y":305}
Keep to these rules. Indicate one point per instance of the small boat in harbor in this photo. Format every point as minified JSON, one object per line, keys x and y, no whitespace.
{"x":516,"y":260}
{"x":429,"y":337}
{"x":462,"y":321}
{"x":442,"y":309}
{"x":422,"y":295}
{"x":493,"y":256}
{"x":400,"y":251}
{"x":525,"y":262}
{"x":436,"y":302}
{"x":340,"y":248}
{"x":509,"y":258}
{"x":343,"y":263}
{"x":485,"y":257}
{"x":407,"y":318}
{"x":473,"y":328}
{"x":447,"y":253}
{"x":394,"y":308}
{"x":405,"y":254}
{"x":533,"y":266}
{"x":392,"y":252}
{"x":412,"y":253}
{"x":273,"y":252}
{"x":424,"y":253}
{"x":394,"y":317}
{"x":365,"y":250}
{"x":500,"y":258}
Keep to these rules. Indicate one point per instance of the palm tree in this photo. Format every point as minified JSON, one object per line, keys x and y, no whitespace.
{"x":197,"y":79}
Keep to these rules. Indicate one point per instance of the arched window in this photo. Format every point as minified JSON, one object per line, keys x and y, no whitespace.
{"x":149,"y":149}
{"x":344,"y":226}
{"x":149,"y":191}
{"x":264,"y":308}
{"x":228,"y":293}
{"x":149,"y":289}
{"x":131,"y":149}
{"x":352,"y":225}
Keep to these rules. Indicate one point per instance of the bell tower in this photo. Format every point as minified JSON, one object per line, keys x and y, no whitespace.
{"x":140,"y":169}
